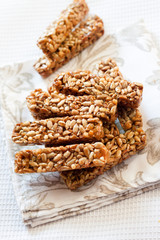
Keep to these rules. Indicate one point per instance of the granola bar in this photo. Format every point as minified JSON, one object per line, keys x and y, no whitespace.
{"x":129,"y":94}
{"x":121,"y":146}
{"x":107,"y":87}
{"x":82,"y":37}
{"x":57,"y":32}
{"x":42,"y":106}
{"x":57,"y":131}
{"x":61,"y":158}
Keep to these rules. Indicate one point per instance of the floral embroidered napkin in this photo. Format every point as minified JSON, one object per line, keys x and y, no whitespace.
{"x":44,"y":197}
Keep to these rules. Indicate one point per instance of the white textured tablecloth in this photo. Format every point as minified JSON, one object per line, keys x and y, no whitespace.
{"x":135,"y":218}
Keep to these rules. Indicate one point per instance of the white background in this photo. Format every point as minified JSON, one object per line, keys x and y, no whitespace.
{"x":21,"y":23}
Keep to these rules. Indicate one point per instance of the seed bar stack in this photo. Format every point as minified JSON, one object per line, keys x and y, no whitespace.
{"x":60,"y":133}
{"x":75,"y":121}
{"x":67,"y":37}
{"x":107,"y":84}
{"x":71,"y":142}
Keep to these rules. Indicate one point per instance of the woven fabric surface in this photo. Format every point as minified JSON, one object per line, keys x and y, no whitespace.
{"x":21,"y":24}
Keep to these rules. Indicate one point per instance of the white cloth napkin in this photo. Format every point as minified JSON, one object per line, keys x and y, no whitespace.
{"x":44,"y":197}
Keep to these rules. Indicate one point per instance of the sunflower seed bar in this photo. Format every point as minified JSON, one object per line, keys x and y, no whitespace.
{"x":80,"y":83}
{"x":61,"y":158}
{"x":57,"y":32}
{"x":106,"y":87}
{"x":82,"y":37}
{"x":57,"y":131}
{"x":42,"y":106}
{"x":78,"y":178}
{"x":121,"y":146}
{"x":129,"y":94}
